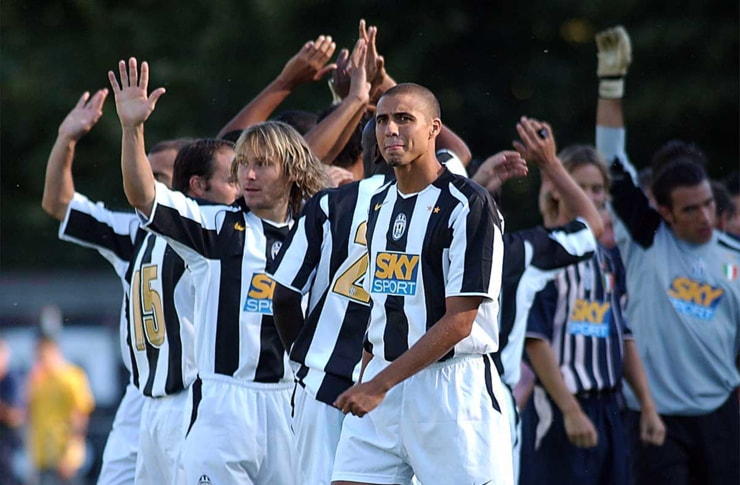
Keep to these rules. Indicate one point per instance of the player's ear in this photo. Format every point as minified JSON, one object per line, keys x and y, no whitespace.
{"x":197,"y":185}
{"x":435,"y":127}
{"x":665,"y":213}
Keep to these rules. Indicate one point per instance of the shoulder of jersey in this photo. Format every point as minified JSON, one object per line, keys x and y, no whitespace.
{"x":727,"y":241}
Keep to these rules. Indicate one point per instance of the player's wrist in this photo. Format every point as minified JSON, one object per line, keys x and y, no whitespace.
{"x":611,"y":87}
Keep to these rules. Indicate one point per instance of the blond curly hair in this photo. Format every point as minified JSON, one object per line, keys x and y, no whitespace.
{"x":278,"y":141}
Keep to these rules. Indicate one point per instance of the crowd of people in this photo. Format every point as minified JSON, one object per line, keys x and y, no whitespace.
{"x":335,"y":298}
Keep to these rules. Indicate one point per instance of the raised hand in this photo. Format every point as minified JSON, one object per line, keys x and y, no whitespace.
{"x":310,"y":63}
{"x":340,"y":79}
{"x":614,"y":57}
{"x":537,"y":143}
{"x":357,"y":68}
{"x":83,"y":116}
{"x":499,"y":168}
{"x":374,"y":62}
{"x":133,"y":104}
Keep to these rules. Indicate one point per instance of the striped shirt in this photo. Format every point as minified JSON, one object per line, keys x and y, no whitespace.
{"x":533,"y":257}
{"x":325,"y":256}
{"x":230,"y":252}
{"x":580,"y":315}
{"x":156,"y":318}
{"x":441,"y":242}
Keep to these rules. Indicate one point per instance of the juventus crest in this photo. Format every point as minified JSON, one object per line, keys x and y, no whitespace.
{"x":399,"y":226}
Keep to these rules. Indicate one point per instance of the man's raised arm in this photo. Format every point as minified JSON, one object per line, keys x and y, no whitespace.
{"x":134,"y":106}
{"x":59,"y":187}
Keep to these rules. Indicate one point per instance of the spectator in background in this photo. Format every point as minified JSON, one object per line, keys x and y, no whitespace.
{"x":12,"y":416}
{"x":59,"y":404}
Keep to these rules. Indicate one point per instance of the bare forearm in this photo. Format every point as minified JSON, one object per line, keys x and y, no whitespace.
{"x":260,"y":108}
{"x":138,"y":180}
{"x":328,"y":138}
{"x":59,"y":185}
{"x":575,"y":200}
{"x":609,"y":113}
{"x":634,"y":373}
{"x":545,"y":366}
{"x":435,"y":343}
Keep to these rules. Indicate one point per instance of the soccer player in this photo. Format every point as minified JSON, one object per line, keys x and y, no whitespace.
{"x":684,"y":295}
{"x":535,"y":256}
{"x":133,"y":253}
{"x":581,"y":350}
{"x":429,"y":401}
{"x":326,"y":255}
{"x":240,"y":418}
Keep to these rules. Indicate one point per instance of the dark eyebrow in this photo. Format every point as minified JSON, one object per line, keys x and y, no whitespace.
{"x":697,"y":206}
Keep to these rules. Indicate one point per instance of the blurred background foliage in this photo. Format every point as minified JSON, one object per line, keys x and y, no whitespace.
{"x":489,"y":63}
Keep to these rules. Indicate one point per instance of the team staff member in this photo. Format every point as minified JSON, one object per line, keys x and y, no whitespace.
{"x":119,"y":239}
{"x":240,"y":427}
{"x":429,"y":401}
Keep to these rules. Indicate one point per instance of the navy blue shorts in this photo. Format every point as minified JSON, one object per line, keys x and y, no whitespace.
{"x":556,"y":461}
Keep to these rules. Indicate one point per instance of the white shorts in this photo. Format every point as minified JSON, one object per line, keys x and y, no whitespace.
{"x":119,"y":457}
{"x":446,"y":424}
{"x":240,"y":433}
{"x":160,"y":438}
{"x":317,"y":427}
{"x":515,"y":428}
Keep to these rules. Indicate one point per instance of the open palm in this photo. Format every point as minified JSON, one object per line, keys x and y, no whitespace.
{"x":132,"y":102}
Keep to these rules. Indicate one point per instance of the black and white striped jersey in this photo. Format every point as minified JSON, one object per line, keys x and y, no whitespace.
{"x":157,"y":314}
{"x":325,"y":256}
{"x":425,"y":247}
{"x":532,"y":257}
{"x":229,"y":252}
{"x":580,"y":315}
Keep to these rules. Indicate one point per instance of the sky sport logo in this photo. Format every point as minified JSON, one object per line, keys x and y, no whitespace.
{"x":259,"y":296}
{"x":693,"y":298}
{"x":395,"y":274}
{"x":590,"y":319}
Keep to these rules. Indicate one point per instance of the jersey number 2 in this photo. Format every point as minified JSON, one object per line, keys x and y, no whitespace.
{"x":147,"y":308}
{"x":349,"y":283}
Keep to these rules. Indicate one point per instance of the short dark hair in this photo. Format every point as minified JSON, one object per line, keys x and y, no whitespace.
{"x":303,"y":121}
{"x":196,"y":158}
{"x":429,"y":100}
{"x":675,"y":150}
{"x":174,"y":144}
{"x":680,"y":173}
{"x":352,"y":150}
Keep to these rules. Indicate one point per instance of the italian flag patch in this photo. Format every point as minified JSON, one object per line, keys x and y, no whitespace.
{"x":730,"y":271}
